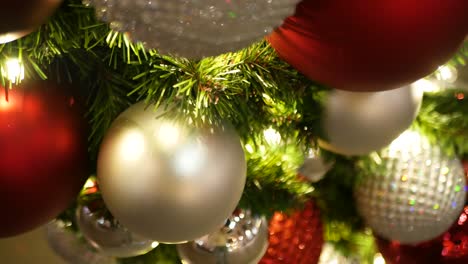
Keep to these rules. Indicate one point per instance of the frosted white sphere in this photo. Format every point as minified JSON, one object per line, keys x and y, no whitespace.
{"x":418,"y":198}
{"x":357,"y":123}
{"x":195,"y":29}
{"x":169,"y":181}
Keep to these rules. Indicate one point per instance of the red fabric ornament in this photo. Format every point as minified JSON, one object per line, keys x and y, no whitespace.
{"x":295,"y":238}
{"x":43,"y":155}
{"x":369,"y":45}
{"x":449,"y":248}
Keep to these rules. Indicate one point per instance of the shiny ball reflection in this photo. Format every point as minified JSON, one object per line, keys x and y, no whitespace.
{"x":242,"y":239}
{"x":107,"y":235}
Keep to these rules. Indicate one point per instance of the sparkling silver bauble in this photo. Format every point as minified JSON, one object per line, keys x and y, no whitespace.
{"x":420,"y":195}
{"x":170,"y":181}
{"x":243,"y":239}
{"x":314,"y":167}
{"x":358,"y":123}
{"x":195,"y":29}
{"x":107,"y":235}
{"x":71,"y":248}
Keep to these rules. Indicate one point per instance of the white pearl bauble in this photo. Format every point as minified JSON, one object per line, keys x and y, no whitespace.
{"x":357,"y":123}
{"x":169,"y":181}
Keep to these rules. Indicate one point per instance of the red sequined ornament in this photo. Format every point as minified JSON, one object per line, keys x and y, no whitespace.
{"x":450,"y":248}
{"x":295,"y":238}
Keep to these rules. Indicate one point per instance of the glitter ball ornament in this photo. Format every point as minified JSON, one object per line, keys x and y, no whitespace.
{"x":167,"y":180}
{"x":369,"y":45}
{"x":195,"y":29}
{"x":295,"y":238}
{"x":449,"y":248}
{"x":418,"y":197}
{"x":20,"y":18}
{"x":107,"y":235}
{"x":242,"y":239}
{"x":43,"y":154}
{"x":357,"y":123}
{"x":72,"y":248}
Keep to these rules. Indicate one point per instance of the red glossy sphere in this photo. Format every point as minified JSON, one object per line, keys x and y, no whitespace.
{"x":371,"y":45}
{"x":43,"y":155}
{"x":21,"y":17}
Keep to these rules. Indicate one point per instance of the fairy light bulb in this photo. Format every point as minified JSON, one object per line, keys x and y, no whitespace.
{"x":13,"y":70}
{"x":446,"y":73}
{"x":426,"y":86}
{"x":272,"y":136}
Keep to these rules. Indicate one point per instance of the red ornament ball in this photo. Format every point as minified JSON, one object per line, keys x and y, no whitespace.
{"x":43,"y":155}
{"x":369,"y":45}
{"x":21,"y":17}
{"x":295,"y":238}
{"x":449,"y":248}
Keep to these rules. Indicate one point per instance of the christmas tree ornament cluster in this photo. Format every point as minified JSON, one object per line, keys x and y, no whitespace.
{"x":357,"y":123}
{"x":70,"y":247}
{"x":168,"y":180}
{"x":194,"y":29}
{"x":20,"y":18}
{"x":43,"y":154}
{"x":449,"y":248}
{"x":107,"y":235}
{"x":368,"y":45}
{"x":418,"y":196}
{"x":296,"y":237}
{"x":242,"y":239}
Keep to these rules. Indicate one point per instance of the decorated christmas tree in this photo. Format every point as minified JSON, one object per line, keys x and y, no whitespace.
{"x":253,"y":131}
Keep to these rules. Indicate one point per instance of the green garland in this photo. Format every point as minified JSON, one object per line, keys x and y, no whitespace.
{"x":253,"y":89}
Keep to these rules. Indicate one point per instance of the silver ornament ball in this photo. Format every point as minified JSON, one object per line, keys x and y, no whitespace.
{"x":243,"y":239}
{"x":315,"y":167}
{"x":195,"y":29}
{"x":358,"y":123}
{"x":420,"y":195}
{"x":72,"y":248}
{"x":167,"y":180}
{"x":107,"y":235}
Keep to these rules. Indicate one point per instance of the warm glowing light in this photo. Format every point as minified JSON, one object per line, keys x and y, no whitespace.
{"x":378,"y":259}
{"x":426,"y":86}
{"x":132,"y":146}
{"x":272,"y":136}
{"x":154,"y":244}
{"x":168,"y":135}
{"x":13,"y":70}
{"x":89,"y":184}
{"x":446,"y":73}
